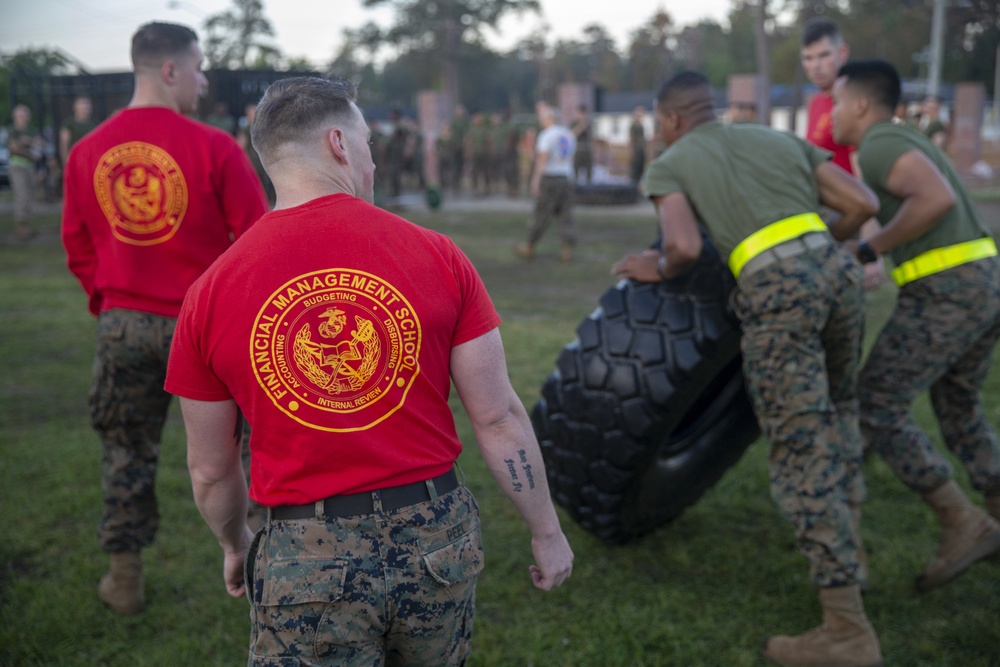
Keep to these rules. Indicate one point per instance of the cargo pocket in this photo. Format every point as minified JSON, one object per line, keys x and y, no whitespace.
{"x":454,"y":555}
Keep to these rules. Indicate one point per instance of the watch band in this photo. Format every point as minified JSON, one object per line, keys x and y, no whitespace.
{"x":866,"y":254}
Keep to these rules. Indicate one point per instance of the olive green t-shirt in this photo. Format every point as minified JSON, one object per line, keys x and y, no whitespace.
{"x":77,"y":129}
{"x":880,"y":147}
{"x":738,"y":178}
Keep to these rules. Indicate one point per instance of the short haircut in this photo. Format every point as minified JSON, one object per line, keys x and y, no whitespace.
{"x":876,"y":79}
{"x":685,"y":92}
{"x":154,"y":43}
{"x":291,"y":109}
{"x":819,"y":27}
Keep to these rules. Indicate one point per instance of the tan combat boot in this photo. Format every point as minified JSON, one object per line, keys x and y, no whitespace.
{"x":968,"y":534}
{"x":566,"y":254}
{"x":524,"y":250}
{"x":121,"y":588}
{"x":846,"y":638}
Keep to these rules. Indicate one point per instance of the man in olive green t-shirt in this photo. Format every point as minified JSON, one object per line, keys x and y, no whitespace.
{"x":800,"y":299}
{"x":76,"y":126}
{"x":946,"y":323}
{"x":26,"y":146}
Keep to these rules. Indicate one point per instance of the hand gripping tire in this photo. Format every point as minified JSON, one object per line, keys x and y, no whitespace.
{"x":646,"y":408}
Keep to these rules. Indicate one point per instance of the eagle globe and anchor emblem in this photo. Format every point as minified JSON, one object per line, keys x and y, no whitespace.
{"x":350,"y":362}
{"x":142,"y":192}
{"x":336,"y":350}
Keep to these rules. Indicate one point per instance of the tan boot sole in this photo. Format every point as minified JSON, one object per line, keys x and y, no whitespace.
{"x":986,"y":547}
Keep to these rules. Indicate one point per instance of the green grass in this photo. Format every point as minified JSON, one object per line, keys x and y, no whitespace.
{"x":702,"y":591}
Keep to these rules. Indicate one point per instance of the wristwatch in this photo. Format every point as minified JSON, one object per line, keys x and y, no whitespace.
{"x":866,"y":254}
{"x":661,"y":267}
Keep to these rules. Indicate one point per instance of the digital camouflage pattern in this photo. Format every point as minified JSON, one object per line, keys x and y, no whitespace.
{"x":940,"y":337}
{"x":128,"y":407}
{"x":394,"y":588}
{"x":802,"y":320}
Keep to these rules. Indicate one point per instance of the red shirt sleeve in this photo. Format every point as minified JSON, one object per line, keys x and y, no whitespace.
{"x":188,"y":372}
{"x":243,"y":198}
{"x":81,"y":257}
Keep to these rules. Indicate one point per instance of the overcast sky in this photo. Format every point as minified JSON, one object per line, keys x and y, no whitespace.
{"x":97,"y":32}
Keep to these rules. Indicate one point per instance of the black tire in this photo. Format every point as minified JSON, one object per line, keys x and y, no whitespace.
{"x":646,"y":408}
{"x":605,"y":194}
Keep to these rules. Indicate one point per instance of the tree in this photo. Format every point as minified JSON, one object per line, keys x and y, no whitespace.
{"x":442,"y":27}
{"x":234,"y":38}
{"x":23,"y":75}
{"x":650,"y":53}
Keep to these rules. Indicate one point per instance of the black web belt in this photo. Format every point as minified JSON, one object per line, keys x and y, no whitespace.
{"x":392,"y":498}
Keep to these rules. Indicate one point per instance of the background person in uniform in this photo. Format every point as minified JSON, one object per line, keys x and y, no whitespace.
{"x":479,"y":147}
{"x":800,"y":301}
{"x":76,"y":126}
{"x":174,"y":193}
{"x":551,"y":184}
{"x":823,"y":52}
{"x":637,"y":144}
{"x":372,"y":549}
{"x":930,"y":121}
{"x":221,"y":118}
{"x":583,"y":158}
{"x":444,"y":146}
{"x":511,"y":158}
{"x":26,"y":148}
{"x":945,"y":325}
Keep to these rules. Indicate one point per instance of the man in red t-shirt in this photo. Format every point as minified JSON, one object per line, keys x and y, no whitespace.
{"x":151,"y":199}
{"x":337,"y":329}
{"x":823,"y":52}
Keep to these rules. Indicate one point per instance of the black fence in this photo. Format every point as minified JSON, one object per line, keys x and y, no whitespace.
{"x":51,"y":97}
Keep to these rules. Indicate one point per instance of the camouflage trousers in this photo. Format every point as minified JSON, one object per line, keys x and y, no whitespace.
{"x":394,"y":588}
{"x":940,"y":337}
{"x":128,"y":407}
{"x":555,"y":202}
{"x":802,"y":320}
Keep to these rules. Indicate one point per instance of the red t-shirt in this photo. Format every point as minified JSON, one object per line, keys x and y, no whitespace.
{"x":331,"y":324}
{"x":819,"y":131}
{"x":151,"y":199}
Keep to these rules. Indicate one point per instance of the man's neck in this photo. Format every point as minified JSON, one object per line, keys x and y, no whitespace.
{"x":149,"y":95}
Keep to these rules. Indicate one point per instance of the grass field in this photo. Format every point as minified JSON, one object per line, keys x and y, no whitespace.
{"x":702,"y":591}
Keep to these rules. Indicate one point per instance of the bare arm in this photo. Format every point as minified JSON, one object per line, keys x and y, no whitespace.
{"x":842,"y":192}
{"x":64,"y":137}
{"x":541,"y":159}
{"x":926,"y":196}
{"x":220,"y":490}
{"x":508,"y":445}
{"x":682,"y":243}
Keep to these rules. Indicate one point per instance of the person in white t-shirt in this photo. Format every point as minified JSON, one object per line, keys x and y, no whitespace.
{"x":551,"y":185}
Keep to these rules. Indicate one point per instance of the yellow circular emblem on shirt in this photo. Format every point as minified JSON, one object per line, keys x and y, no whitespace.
{"x":337,"y":349}
{"x":142,"y":192}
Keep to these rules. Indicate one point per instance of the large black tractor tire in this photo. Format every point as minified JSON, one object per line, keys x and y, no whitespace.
{"x":605,"y":194}
{"x":646,"y":408}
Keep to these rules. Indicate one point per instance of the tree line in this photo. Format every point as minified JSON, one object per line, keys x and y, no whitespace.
{"x":441,"y":45}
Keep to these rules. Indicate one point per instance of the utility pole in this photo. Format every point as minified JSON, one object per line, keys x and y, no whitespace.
{"x":937,"y":48}
{"x":762,"y":53}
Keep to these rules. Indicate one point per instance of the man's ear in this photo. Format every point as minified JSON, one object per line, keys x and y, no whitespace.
{"x":168,"y":72}
{"x":335,"y":138}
